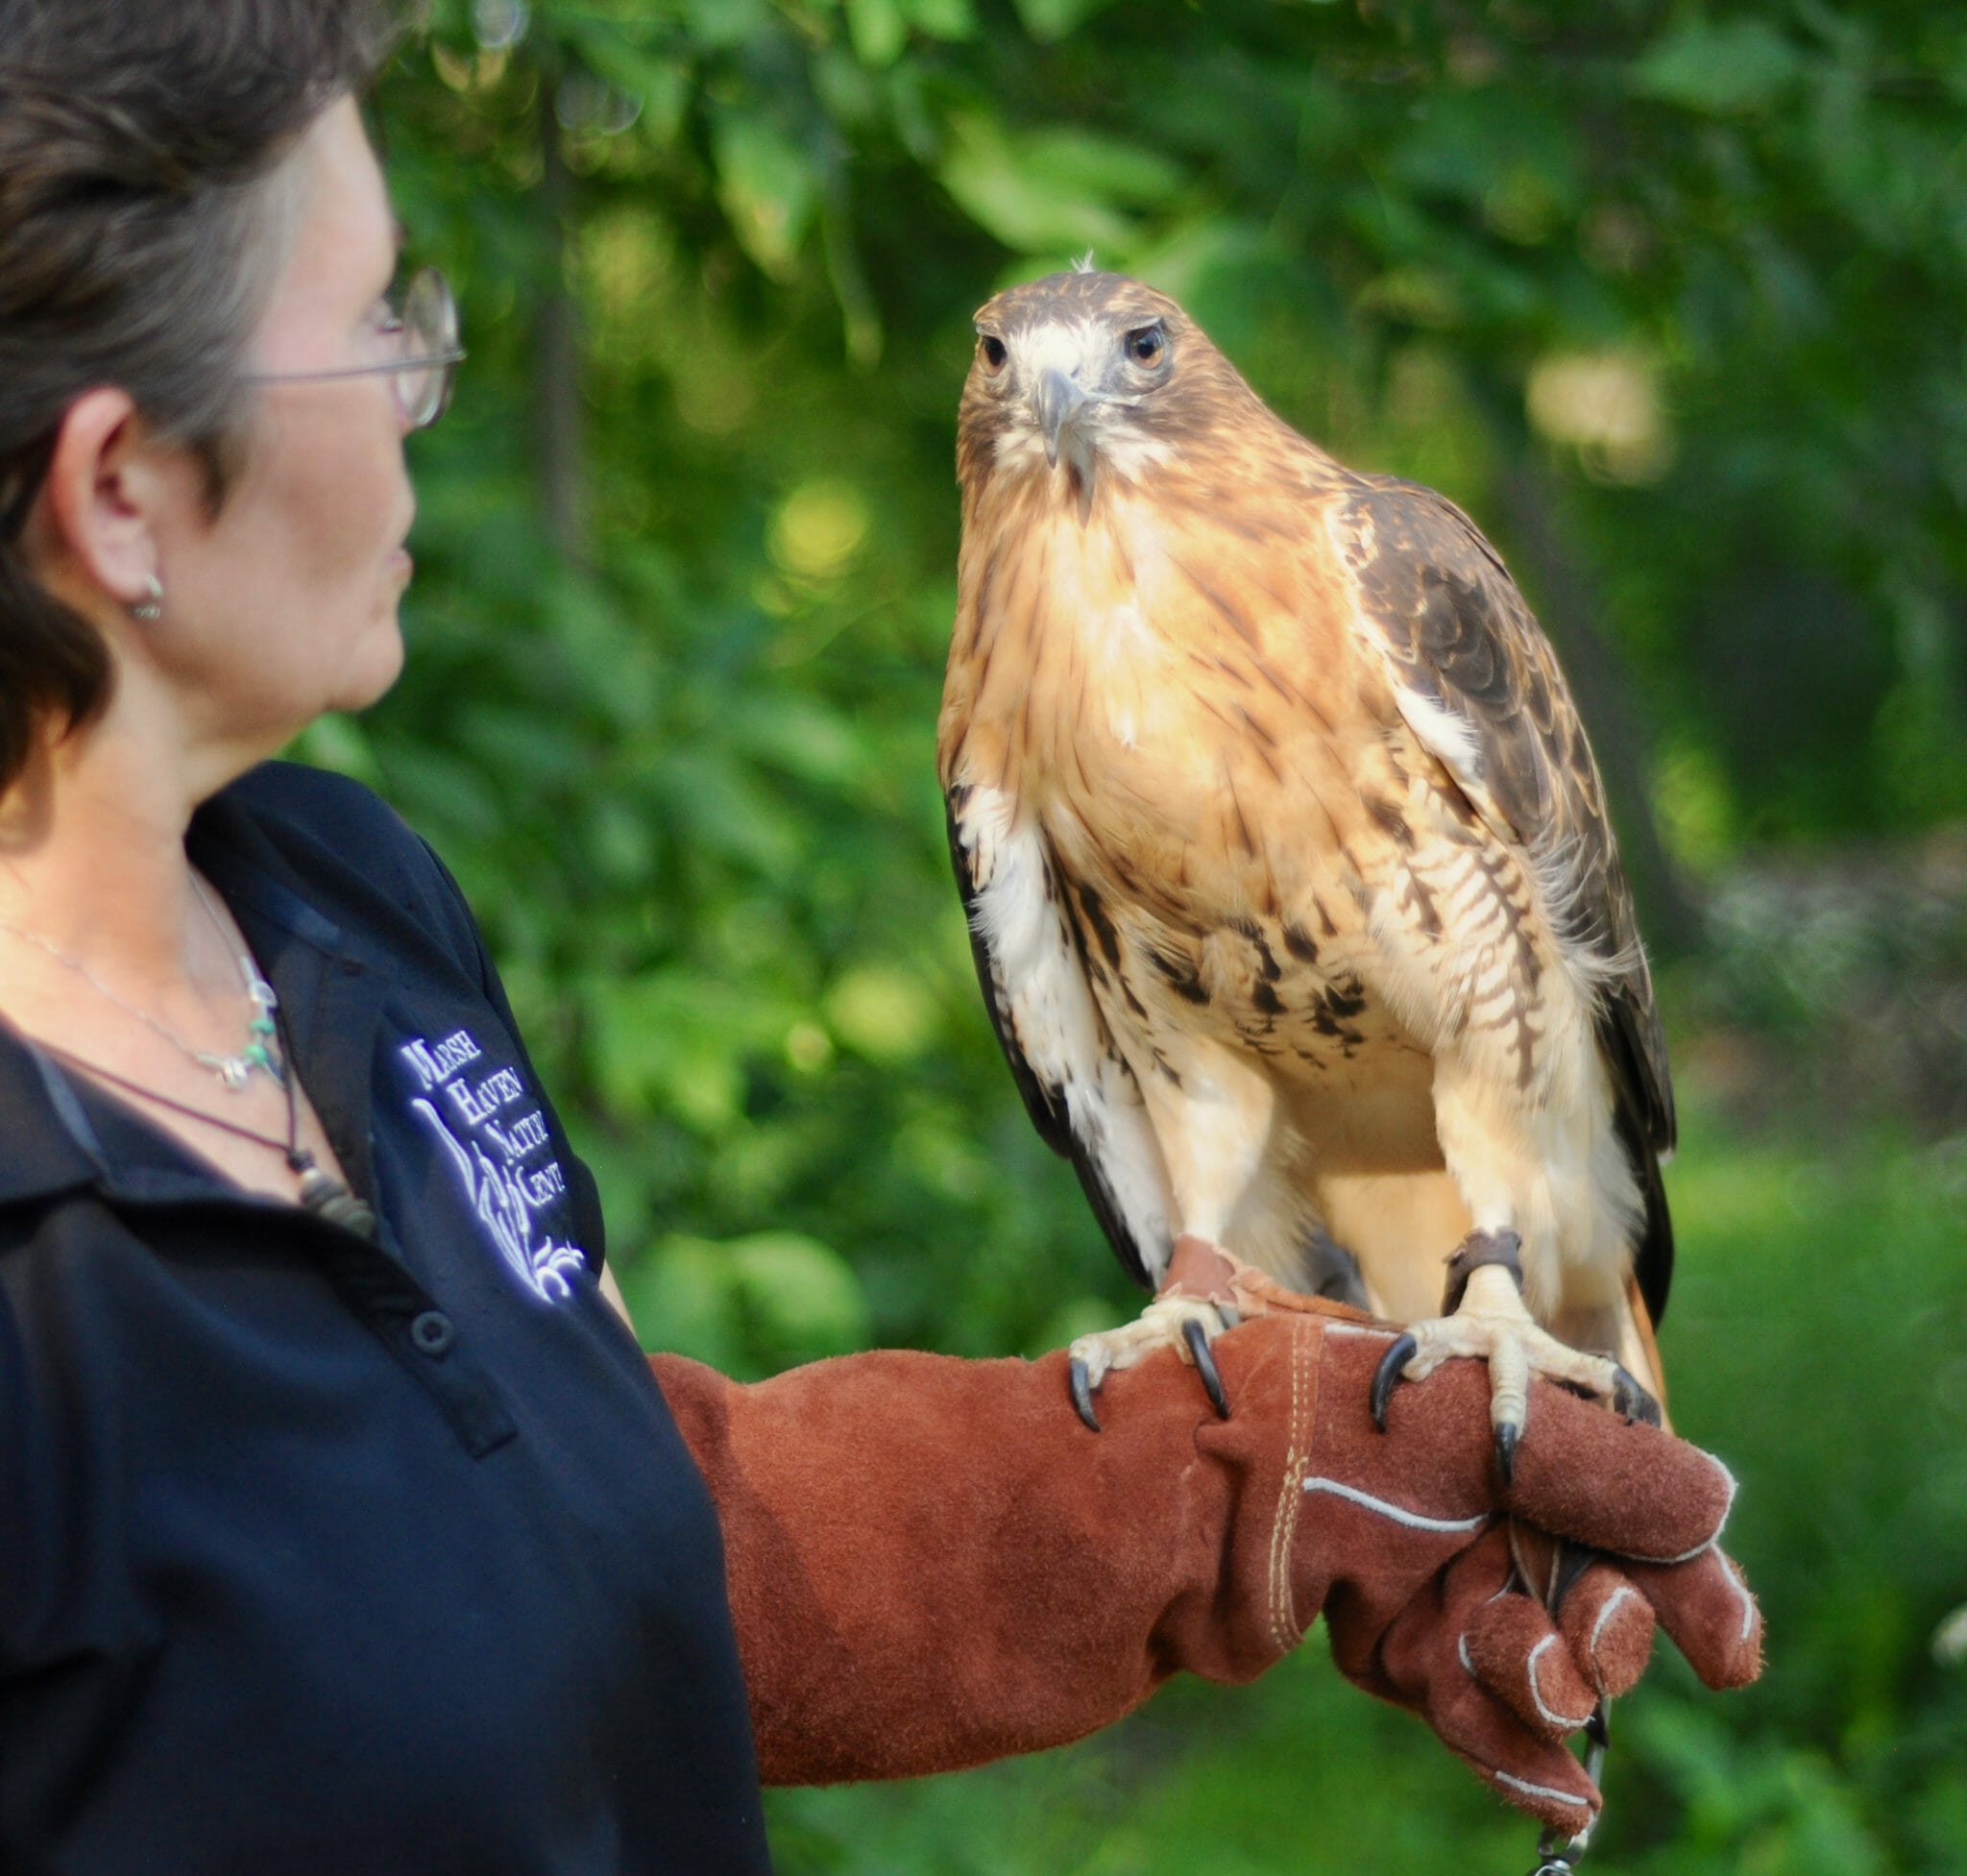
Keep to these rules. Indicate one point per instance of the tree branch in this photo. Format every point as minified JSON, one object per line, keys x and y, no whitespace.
{"x":559,"y":429}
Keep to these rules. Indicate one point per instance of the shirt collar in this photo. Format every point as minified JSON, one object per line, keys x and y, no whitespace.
{"x":41,"y":1151}
{"x":332,"y":985}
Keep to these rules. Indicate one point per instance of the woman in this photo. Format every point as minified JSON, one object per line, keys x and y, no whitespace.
{"x":342,"y":1522}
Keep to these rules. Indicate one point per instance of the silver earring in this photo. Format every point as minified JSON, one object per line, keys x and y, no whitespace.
{"x":152,"y":604}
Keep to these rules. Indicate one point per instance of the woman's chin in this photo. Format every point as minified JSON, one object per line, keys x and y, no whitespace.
{"x":377,"y":665}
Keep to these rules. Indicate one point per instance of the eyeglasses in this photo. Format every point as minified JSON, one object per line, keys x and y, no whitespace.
{"x":422,"y":331}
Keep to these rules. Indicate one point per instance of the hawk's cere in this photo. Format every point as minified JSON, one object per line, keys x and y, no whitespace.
{"x":1291,"y":890}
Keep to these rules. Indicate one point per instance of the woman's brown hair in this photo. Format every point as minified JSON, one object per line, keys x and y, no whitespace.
{"x":137,"y":241}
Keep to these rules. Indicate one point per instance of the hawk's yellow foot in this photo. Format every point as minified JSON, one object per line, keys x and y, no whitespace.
{"x":1185,"y":1324}
{"x":1486,"y":1318}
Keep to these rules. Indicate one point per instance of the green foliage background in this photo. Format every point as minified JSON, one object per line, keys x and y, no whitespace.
{"x":1669,"y":298}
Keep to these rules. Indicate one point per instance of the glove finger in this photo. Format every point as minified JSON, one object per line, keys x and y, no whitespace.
{"x":1395,"y":1656}
{"x":1420,"y":1661}
{"x":1710,"y":1613}
{"x":1514,"y":1649}
{"x":1616,"y":1485}
{"x":1607,"y":1625}
{"x":1533,"y":1773}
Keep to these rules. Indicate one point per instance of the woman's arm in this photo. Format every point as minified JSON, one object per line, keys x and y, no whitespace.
{"x":933,"y":1562}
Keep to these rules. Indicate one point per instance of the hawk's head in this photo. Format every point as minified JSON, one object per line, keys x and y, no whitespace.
{"x":1083,"y":375}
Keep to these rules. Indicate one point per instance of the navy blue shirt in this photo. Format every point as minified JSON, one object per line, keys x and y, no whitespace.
{"x":318,"y":1555}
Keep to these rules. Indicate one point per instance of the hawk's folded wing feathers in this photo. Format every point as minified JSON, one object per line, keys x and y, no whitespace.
{"x":1076,"y":1086}
{"x":1477,"y":684}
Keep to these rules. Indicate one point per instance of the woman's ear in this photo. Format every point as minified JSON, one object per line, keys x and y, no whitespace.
{"x":92,"y":534}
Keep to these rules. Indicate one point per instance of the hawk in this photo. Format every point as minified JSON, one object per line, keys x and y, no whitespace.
{"x":1289,"y":876}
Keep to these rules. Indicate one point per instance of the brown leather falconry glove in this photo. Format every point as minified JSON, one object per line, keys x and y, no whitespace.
{"x":933,"y":1562}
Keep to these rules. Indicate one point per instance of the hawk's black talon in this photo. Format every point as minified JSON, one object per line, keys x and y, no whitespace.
{"x":1196,"y":1338}
{"x":1507,"y":1434}
{"x":1631,"y":1400}
{"x":1387,"y":1373}
{"x":1083,"y":1393}
{"x":1572,"y":1562}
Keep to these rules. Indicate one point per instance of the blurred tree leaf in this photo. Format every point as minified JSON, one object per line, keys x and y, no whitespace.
{"x":767,"y":190}
{"x":749,"y":1305}
{"x":1051,"y":190}
{"x":878,"y":30}
{"x":680,"y":1042}
{"x":658,"y":82}
{"x":944,"y":20}
{"x":1718,"y":68}
{"x":1053,"y":20}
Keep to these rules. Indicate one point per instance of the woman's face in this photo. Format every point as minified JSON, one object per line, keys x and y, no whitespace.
{"x":285,"y":605}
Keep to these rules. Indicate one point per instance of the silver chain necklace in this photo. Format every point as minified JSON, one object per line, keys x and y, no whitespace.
{"x":234,"y":1072}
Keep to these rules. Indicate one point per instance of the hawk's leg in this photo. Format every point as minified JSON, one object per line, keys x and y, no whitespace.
{"x":1484,"y":1316}
{"x":1193,"y":1306}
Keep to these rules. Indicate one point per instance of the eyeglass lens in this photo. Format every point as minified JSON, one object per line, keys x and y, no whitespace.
{"x":429,"y":332}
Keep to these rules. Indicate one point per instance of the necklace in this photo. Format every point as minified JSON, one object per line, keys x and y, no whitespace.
{"x":234,"y":1072}
{"x":322,"y":1194}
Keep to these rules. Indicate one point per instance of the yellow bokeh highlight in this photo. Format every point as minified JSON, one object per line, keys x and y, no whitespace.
{"x":820,"y":529}
{"x":1607,"y":406}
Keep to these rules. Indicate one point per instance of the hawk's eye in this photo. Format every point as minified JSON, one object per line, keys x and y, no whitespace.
{"x":1147,"y":345}
{"x":992,"y":349}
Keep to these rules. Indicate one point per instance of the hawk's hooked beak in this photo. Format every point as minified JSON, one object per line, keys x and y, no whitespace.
{"x":1055,"y":404}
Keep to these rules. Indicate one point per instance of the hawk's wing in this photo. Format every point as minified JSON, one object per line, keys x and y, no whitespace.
{"x":1478,"y":685}
{"x":1078,"y":1087}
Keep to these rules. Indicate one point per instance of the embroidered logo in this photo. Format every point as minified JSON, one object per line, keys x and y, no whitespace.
{"x":507,"y":1186}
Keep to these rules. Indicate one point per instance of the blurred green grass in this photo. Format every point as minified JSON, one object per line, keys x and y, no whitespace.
{"x":1816,"y":1342}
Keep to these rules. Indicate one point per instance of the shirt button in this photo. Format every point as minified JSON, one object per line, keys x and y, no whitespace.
{"x":432,"y":1333}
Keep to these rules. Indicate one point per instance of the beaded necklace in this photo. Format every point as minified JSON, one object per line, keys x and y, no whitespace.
{"x":234,"y":1072}
{"x":321,"y":1193}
